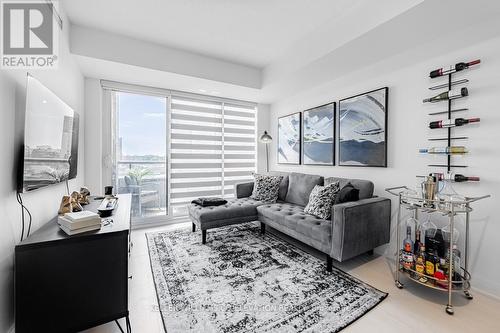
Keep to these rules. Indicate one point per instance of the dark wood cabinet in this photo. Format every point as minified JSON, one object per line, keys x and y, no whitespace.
{"x":71,"y":283}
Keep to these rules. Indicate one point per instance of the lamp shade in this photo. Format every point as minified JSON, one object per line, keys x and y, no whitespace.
{"x":266,"y":138}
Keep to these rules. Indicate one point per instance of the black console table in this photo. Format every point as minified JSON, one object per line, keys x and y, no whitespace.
{"x":71,"y":283}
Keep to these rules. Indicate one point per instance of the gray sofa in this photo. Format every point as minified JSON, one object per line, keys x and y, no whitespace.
{"x":354,"y":228}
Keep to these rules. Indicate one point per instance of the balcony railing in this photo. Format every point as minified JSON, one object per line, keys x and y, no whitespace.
{"x":149,"y":194}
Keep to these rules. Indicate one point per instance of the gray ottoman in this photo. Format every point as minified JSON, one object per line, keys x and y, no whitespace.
{"x":235,"y":211}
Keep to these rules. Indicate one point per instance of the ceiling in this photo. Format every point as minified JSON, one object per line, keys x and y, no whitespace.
{"x":253,"y":33}
{"x":264,"y":50}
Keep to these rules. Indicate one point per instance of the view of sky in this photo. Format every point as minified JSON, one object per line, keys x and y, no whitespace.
{"x":142,"y":124}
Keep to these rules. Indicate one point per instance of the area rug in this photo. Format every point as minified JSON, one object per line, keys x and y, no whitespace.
{"x":242,"y":281}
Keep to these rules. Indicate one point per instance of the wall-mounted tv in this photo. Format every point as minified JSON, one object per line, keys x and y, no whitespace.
{"x":50,"y":147}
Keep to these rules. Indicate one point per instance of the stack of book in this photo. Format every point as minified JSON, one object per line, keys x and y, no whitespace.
{"x":75,"y":223}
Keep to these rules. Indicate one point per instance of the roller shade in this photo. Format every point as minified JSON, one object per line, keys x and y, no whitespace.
{"x":212,"y":147}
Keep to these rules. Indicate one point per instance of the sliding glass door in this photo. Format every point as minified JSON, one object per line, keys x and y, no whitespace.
{"x":168,"y":148}
{"x":140,"y":149}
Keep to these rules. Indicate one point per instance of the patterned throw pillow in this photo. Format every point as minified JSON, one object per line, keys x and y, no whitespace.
{"x":321,"y":200}
{"x":266,"y":188}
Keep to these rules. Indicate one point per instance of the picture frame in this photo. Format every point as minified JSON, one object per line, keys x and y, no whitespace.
{"x":318,"y":135}
{"x":362,"y":133}
{"x":289,"y":139}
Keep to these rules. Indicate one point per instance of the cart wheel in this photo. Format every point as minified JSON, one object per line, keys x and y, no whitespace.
{"x":449,"y":310}
{"x":399,"y":284}
{"x":468,"y":295}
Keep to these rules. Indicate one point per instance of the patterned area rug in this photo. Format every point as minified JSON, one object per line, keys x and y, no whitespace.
{"x":241,"y":281}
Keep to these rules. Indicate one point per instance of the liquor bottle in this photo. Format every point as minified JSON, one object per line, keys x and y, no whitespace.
{"x":452,"y":94}
{"x":456,"y":68}
{"x":418,"y":244}
{"x":452,"y":122}
{"x":458,"y":178}
{"x":453,"y":150}
{"x":430,"y":263}
{"x":420,"y":265}
{"x":408,"y":259}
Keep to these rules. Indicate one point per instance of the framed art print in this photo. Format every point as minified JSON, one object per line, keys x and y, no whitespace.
{"x":363,"y":129}
{"x":289,"y":139}
{"x":318,"y":127}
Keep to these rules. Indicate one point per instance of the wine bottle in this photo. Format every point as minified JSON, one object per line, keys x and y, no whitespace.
{"x":456,"y":68}
{"x":452,"y":122}
{"x":458,"y":178}
{"x":452,"y":94}
{"x":444,"y":150}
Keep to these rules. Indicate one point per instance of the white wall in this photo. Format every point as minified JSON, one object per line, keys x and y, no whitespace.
{"x":67,"y":83}
{"x":407,"y":131}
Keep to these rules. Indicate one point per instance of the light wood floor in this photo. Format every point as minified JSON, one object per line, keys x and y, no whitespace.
{"x":412,"y":309}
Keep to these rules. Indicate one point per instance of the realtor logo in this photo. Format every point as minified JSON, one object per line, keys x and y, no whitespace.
{"x":29,"y":34}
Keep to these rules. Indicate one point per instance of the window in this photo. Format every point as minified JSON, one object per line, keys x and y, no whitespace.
{"x":177,"y":147}
{"x":212,"y":148}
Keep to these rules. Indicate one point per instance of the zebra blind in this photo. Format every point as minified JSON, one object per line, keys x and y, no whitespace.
{"x":212,"y":147}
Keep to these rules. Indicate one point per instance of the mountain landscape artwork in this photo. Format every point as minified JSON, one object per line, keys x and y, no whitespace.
{"x":319,"y":131}
{"x":289,"y":139}
{"x":362,"y":129}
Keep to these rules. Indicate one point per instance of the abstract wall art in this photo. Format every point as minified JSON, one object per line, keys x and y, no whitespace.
{"x":318,"y":143}
{"x":363,"y":129}
{"x":289,"y":139}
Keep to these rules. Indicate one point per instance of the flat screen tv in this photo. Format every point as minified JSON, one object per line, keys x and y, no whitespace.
{"x":50,"y":146}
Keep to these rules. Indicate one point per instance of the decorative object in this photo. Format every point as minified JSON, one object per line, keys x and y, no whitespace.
{"x":66,"y":205}
{"x":108,"y":190}
{"x":85,"y":193}
{"x":318,"y":144}
{"x":321,"y":200}
{"x":75,"y":202}
{"x":283,"y":288}
{"x":289,"y":139}
{"x":266,"y":139}
{"x":363,"y":129}
{"x":266,"y":188}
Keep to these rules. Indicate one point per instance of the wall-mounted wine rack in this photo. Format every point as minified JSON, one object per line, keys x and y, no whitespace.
{"x":450,"y":111}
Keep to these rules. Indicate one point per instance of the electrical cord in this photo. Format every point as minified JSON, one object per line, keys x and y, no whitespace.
{"x":18,"y":197}
{"x":23,"y":208}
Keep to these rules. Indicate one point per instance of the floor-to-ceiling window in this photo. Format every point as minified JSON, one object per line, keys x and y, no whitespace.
{"x":169,"y":148}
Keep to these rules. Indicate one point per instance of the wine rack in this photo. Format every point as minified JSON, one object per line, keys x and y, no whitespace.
{"x":449,"y":113}
{"x":451,"y":209}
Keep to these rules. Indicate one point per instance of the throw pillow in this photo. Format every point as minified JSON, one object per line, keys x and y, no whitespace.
{"x":266,"y":188}
{"x":321,"y":200}
{"x":347,"y":193}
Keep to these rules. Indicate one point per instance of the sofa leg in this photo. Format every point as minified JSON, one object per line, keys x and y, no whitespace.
{"x":329,"y":263}
{"x":203,"y":237}
{"x":194,"y":227}
{"x":370,"y":252}
{"x":262,"y":228}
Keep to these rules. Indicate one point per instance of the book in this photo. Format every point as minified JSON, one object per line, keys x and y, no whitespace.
{"x":80,"y":230}
{"x":80,"y":216}
{"x":73,"y":225}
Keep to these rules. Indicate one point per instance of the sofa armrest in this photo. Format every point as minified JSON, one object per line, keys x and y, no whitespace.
{"x":360,"y":226}
{"x":244,"y":190}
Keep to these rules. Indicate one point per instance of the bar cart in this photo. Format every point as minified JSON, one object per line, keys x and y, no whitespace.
{"x":447,"y":208}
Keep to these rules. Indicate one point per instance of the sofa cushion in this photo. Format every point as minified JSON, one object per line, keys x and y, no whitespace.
{"x":347,"y":193}
{"x":283,"y":184}
{"x":266,"y":188}
{"x":300,"y":186}
{"x":365,"y":187}
{"x":291,"y":216}
{"x":234,"y":208}
{"x":321,"y":200}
